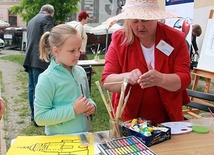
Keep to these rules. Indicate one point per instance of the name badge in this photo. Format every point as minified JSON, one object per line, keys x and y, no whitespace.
{"x":165,"y":47}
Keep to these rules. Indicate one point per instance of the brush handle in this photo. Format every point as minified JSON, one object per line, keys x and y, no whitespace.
{"x":104,"y":99}
{"x":109,"y":83}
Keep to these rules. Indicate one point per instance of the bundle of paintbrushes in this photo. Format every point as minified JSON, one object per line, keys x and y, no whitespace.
{"x":115,"y":117}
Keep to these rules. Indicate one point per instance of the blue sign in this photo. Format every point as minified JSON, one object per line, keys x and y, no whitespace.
{"x":174,"y":2}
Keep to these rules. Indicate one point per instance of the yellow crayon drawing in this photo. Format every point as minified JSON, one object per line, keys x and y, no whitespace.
{"x":51,"y":145}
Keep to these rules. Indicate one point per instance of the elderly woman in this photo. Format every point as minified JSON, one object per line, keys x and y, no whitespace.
{"x":155,"y":59}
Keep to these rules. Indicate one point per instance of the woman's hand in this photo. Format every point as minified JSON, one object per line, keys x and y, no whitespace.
{"x":150,"y":78}
{"x":171,"y":82}
{"x":133,"y":76}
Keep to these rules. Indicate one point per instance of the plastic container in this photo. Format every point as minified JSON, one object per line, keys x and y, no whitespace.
{"x":203,"y":124}
{"x":208,"y":119}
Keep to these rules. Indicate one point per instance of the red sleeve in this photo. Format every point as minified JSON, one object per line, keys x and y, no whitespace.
{"x":112,"y":60}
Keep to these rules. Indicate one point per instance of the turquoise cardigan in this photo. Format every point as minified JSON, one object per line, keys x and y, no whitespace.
{"x":55,"y":94}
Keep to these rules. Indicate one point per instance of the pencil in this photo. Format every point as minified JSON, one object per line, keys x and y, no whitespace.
{"x":81,"y":89}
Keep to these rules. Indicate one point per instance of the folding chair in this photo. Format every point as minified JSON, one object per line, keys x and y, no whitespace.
{"x":194,"y":107}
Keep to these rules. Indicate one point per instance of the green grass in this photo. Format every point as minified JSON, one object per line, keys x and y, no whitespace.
{"x":14,"y":58}
{"x":100,"y":119}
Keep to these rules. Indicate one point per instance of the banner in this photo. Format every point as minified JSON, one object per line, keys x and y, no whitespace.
{"x":185,"y":9}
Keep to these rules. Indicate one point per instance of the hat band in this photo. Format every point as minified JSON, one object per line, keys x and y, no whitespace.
{"x":139,"y":4}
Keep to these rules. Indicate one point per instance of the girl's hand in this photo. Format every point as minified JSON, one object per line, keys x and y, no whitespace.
{"x":80,"y":105}
{"x":90,"y":109}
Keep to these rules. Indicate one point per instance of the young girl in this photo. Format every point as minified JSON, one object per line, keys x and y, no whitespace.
{"x":62,"y":99}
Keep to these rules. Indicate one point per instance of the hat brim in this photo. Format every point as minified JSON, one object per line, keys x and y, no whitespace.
{"x":147,"y":13}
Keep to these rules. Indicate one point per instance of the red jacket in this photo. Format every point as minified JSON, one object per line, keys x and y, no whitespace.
{"x":155,"y":103}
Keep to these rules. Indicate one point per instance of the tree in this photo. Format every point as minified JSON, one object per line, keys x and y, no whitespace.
{"x":29,"y":8}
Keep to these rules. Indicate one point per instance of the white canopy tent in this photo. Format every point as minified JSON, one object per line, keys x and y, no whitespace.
{"x":102,"y":29}
{"x":98,"y":30}
{"x":87,"y":28}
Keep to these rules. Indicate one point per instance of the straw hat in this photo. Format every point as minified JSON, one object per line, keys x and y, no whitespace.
{"x":141,"y":9}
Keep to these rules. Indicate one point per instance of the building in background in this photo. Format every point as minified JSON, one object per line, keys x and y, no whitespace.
{"x":99,"y":11}
{"x":5,"y":15}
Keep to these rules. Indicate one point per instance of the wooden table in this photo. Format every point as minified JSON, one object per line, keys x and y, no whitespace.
{"x":183,"y":144}
{"x":100,"y":62}
{"x":187,"y":144}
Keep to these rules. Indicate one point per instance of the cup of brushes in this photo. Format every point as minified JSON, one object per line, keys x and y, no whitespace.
{"x":115,"y":118}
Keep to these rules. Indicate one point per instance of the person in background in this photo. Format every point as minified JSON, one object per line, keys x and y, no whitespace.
{"x":155,"y":59}
{"x":39,"y":24}
{"x":62,"y":97}
{"x":196,"y":32}
{"x":2,"y":107}
{"x":83,"y":19}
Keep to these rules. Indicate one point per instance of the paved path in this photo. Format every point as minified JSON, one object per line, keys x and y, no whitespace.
{"x":9,"y":52}
{"x":9,"y":78}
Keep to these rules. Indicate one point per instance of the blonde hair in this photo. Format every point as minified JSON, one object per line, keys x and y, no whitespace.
{"x":129,"y":36}
{"x":56,"y":38}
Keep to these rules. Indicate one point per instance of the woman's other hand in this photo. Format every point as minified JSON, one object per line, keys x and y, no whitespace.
{"x":150,"y":78}
{"x":133,"y":76}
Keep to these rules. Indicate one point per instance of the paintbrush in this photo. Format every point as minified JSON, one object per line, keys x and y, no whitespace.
{"x":125,"y":101}
{"x":109,"y":83}
{"x":120,"y":103}
{"x":104,"y":99}
{"x":110,"y":104}
{"x":110,"y":112}
{"x":212,"y":114}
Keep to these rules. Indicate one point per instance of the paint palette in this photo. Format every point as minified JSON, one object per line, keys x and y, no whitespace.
{"x":123,"y":146}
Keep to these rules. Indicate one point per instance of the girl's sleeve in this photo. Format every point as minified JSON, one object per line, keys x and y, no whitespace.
{"x":45,"y":113}
{"x":87,"y":90}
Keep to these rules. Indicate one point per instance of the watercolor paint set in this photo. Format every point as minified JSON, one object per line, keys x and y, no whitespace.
{"x":148,"y":132}
{"x":124,"y":146}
